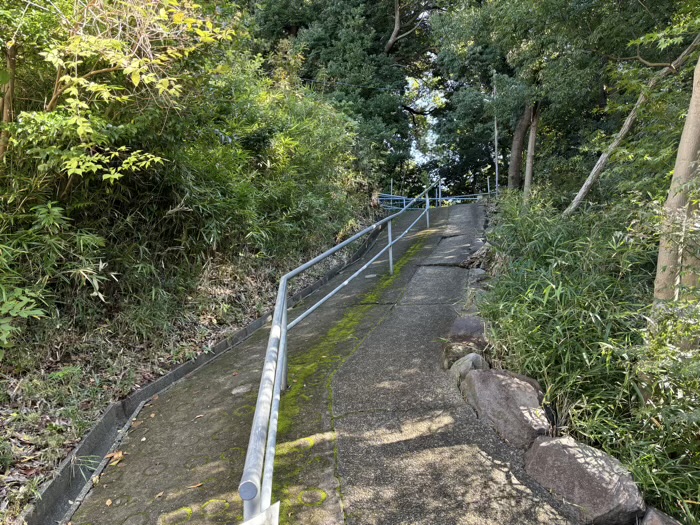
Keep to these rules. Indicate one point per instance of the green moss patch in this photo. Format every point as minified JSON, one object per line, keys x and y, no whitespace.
{"x":309,"y":401}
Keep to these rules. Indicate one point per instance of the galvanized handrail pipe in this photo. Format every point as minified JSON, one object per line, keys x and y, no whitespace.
{"x":352,"y":277}
{"x":256,"y":483}
{"x":268,"y":469}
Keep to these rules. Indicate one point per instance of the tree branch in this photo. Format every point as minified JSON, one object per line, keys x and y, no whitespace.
{"x":638,"y":57}
{"x":413,"y":111}
{"x":59,"y":90}
{"x":397,"y":28}
{"x":627,"y":126}
{"x":395,"y":36}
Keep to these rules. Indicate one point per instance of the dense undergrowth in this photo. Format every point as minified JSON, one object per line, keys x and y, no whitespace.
{"x":571,"y":308}
{"x":150,"y":210}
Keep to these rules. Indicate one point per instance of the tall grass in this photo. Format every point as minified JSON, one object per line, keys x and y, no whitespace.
{"x":572,"y":309}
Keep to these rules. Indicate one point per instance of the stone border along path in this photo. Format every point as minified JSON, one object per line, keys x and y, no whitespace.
{"x":372,"y":430}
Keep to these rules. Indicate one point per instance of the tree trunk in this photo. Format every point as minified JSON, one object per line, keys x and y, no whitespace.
{"x":529,"y":166}
{"x":516,"y":150}
{"x":678,"y":266}
{"x":8,"y":99}
{"x":397,"y":27}
{"x":627,"y":126}
{"x":395,"y":36}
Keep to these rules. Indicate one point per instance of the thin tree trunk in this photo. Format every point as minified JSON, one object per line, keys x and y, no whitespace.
{"x":516,"y":150}
{"x":627,"y":126}
{"x":530,"y":165}
{"x":678,"y":266}
{"x":8,"y":100}
{"x":395,"y":36}
{"x":397,"y":28}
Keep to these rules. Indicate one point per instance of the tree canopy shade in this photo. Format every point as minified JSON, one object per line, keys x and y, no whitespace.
{"x":151,"y":148}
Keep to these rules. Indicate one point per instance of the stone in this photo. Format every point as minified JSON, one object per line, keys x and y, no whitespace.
{"x":596,"y":483}
{"x":452,"y":352}
{"x":508,"y":402}
{"x":477,"y":275}
{"x":468,"y":329}
{"x":466,"y":364}
{"x":656,"y":517}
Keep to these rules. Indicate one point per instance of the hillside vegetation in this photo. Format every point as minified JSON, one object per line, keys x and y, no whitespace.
{"x":162,"y":163}
{"x":596,"y":239}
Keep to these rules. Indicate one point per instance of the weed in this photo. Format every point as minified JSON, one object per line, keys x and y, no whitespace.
{"x":7,"y":457}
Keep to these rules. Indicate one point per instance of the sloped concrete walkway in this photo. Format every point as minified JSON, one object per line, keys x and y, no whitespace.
{"x":372,"y":430}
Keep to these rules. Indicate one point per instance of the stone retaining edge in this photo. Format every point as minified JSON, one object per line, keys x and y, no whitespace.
{"x":57,"y":496}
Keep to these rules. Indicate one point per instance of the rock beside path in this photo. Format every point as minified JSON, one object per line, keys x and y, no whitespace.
{"x":466,"y":364}
{"x":595,"y":482}
{"x":453,"y":352}
{"x":468,"y":329}
{"x":509,"y":402}
{"x":656,"y":517}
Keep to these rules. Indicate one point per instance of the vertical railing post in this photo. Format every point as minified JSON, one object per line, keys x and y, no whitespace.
{"x":391,"y":251}
{"x":427,"y":209}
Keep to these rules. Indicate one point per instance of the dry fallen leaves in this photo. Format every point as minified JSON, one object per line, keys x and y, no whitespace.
{"x":195,"y":486}
{"x":160,"y":494}
{"x":108,"y":502}
{"x":115,"y":457}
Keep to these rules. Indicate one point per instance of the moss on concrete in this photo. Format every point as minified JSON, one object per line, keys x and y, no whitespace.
{"x":309,"y":400}
{"x":313,"y":497}
{"x":181,"y":515}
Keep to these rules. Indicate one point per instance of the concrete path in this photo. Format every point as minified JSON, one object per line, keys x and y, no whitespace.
{"x":372,"y":431}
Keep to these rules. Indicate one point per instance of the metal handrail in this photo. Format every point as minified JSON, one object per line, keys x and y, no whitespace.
{"x":397,"y":202}
{"x":256,"y":483}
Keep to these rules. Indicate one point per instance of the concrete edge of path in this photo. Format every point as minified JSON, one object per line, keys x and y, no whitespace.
{"x":56,"y":496}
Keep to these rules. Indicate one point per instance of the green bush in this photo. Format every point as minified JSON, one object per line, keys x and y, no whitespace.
{"x":110,"y":208}
{"x":572,"y":310}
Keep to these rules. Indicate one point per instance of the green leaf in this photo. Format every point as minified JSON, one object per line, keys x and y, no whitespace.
{"x":4,"y":77}
{"x":136,"y":78}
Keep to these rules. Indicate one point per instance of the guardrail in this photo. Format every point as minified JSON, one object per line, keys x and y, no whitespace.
{"x":397,"y":202}
{"x":256,"y":483}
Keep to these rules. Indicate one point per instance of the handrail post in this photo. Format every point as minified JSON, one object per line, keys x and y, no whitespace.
{"x":427,"y":210}
{"x":391,"y":251}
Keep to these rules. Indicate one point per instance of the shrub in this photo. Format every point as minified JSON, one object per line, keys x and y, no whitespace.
{"x":572,"y":310}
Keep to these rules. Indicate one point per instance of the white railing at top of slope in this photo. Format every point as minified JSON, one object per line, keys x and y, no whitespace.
{"x":256,"y":483}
